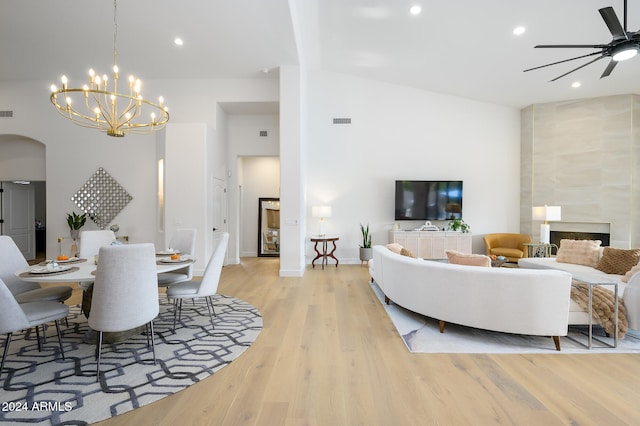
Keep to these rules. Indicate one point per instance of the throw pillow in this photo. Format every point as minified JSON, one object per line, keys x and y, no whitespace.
{"x":406,"y":252}
{"x":579,"y":252}
{"x":618,"y":261}
{"x":394,"y":247}
{"x":630,"y":273}
{"x":458,"y":258}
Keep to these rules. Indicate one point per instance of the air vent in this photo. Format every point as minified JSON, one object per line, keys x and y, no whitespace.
{"x":6,"y":114}
{"x":341,"y":121}
{"x":263,"y":133}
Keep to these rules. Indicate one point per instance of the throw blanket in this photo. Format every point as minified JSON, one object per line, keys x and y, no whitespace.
{"x":603,"y":308}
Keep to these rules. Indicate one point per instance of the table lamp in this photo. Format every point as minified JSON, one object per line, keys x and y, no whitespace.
{"x":546,"y":213}
{"x":321,"y":212}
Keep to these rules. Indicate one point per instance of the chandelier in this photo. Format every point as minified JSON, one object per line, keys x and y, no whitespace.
{"x":98,"y":105}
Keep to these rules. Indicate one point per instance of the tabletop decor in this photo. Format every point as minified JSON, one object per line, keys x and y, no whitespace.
{"x":49,"y":271}
{"x":65,"y":391}
{"x":75,"y":222}
{"x":458,"y":225}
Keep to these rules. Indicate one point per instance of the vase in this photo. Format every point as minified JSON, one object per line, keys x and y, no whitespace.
{"x":366,"y":253}
{"x":75,"y":233}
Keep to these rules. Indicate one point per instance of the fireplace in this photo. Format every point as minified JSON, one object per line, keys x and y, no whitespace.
{"x":580,"y":231}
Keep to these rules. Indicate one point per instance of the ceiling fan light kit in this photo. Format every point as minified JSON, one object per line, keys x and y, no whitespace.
{"x":624,"y":45}
{"x":624,"y":51}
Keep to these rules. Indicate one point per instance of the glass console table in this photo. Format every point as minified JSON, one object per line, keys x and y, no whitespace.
{"x":540,"y":249}
{"x":590,"y":282}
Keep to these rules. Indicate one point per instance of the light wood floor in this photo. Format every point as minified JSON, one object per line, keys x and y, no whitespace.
{"x":329,"y":355}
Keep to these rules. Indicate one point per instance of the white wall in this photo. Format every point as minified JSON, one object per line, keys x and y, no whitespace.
{"x":404,"y":133}
{"x":186,"y":186}
{"x":396,"y":133}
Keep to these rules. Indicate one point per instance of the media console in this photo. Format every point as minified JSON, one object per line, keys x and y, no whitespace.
{"x":432,"y":244}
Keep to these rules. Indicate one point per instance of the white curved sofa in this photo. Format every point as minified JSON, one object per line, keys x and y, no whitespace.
{"x":510,"y":300}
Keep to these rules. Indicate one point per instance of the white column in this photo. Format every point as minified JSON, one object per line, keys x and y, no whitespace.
{"x":292,"y":177}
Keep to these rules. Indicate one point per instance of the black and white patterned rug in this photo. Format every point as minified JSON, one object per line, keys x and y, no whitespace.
{"x":42,"y":388}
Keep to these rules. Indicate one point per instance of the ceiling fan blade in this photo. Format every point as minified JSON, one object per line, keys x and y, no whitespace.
{"x":612,"y":21}
{"x":568,"y":46}
{"x":564,"y":60}
{"x":576,"y":69}
{"x":610,"y":67}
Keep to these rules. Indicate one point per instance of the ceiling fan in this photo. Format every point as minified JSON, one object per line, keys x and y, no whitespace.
{"x":624,"y":45}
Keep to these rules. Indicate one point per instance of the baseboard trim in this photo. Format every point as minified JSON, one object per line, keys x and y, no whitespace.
{"x":291,"y":272}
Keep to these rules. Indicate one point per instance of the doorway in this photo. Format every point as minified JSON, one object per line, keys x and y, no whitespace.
{"x":23,"y":200}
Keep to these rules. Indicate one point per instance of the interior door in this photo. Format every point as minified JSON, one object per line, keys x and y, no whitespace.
{"x":17,"y":216}
{"x":219,"y":211}
{"x":219,"y":203}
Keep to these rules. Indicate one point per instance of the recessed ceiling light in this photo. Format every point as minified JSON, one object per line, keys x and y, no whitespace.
{"x":265,"y":70}
{"x":576,"y":84}
{"x":415,"y":9}
{"x":519,"y":30}
{"x":178,"y":41}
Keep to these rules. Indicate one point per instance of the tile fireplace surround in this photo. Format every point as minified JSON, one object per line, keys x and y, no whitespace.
{"x":583,"y":155}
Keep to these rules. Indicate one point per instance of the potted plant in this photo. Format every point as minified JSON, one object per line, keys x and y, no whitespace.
{"x":76,"y":222}
{"x":365,"y":247}
{"x":458,"y":225}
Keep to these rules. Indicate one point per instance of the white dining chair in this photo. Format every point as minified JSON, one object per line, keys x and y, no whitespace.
{"x":125,"y":292}
{"x":16,"y":316}
{"x":91,"y":241}
{"x":206,"y":287}
{"x":183,"y":240}
{"x":11,"y":261}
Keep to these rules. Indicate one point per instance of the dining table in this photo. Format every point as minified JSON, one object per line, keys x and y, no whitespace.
{"x":83,"y":272}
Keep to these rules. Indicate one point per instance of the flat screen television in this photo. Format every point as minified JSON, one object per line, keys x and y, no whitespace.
{"x":428,"y":199}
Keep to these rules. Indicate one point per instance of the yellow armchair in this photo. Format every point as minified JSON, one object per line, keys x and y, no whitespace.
{"x":510,"y":246}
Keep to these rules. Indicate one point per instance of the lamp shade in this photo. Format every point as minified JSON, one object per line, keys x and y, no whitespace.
{"x":547,"y":213}
{"x":321,"y":211}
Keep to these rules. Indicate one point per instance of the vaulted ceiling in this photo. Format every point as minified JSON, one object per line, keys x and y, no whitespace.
{"x":464,"y":48}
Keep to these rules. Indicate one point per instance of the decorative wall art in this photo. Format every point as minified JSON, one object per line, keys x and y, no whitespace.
{"x":102,"y":198}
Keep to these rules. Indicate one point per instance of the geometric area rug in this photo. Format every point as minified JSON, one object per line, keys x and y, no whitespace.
{"x":41,"y":388}
{"x":422,"y":335}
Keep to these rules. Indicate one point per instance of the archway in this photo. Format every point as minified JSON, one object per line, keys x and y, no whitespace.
{"x":23,"y":198}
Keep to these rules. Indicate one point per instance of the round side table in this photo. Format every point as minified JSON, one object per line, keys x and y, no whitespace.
{"x":324,"y":240}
